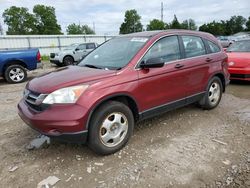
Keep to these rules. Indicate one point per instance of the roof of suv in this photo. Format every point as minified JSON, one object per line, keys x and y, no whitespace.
{"x":170,"y":31}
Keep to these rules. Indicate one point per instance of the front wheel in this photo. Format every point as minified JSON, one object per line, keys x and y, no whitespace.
{"x":110,"y":128}
{"x":15,"y":74}
{"x":213,"y":94}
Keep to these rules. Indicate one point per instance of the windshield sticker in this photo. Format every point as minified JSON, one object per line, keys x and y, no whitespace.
{"x":138,"y":39}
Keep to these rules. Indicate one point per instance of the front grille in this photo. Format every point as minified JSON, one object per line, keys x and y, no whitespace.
{"x":240,"y":75}
{"x":34,"y":100}
{"x":52,"y":55}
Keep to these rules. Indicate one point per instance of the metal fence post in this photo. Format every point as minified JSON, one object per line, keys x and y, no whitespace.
{"x":59,"y":43}
{"x":28,"y":39}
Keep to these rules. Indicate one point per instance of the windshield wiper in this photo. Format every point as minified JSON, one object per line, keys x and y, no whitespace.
{"x":92,"y":66}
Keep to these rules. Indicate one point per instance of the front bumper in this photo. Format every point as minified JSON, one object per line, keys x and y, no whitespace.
{"x":239,"y":73}
{"x":62,"y":122}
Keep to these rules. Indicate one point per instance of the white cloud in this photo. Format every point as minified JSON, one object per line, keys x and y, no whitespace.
{"x":108,"y":15}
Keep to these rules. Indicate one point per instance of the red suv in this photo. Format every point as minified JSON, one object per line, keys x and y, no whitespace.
{"x":125,"y":80}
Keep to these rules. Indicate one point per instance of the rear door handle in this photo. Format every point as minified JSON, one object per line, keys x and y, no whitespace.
{"x":179,"y":66}
{"x":209,"y":59}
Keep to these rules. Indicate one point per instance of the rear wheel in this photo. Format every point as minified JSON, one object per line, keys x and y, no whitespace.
{"x":68,"y":60}
{"x":213,"y":94}
{"x":15,"y":74}
{"x":111,"y":126}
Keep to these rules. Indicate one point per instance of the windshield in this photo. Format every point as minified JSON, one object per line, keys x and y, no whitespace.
{"x":71,"y":47}
{"x":240,"y":46}
{"x":115,"y":53}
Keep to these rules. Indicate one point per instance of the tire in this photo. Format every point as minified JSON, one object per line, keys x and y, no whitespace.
{"x":68,"y":60}
{"x":15,"y":74}
{"x":213,"y":94}
{"x":110,"y":128}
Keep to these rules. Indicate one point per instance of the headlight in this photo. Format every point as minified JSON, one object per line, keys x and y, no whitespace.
{"x":231,"y":63}
{"x":65,"y":95}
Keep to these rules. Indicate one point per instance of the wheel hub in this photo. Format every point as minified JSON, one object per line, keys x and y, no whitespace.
{"x":113,"y":129}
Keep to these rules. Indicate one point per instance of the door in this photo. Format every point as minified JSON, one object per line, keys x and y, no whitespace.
{"x":197,"y":64}
{"x":80,"y":51}
{"x":159,"y":86}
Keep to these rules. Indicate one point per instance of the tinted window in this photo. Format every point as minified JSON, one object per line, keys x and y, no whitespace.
{"x":166,"y":48}
{"x":240,"y":46}
{"x":213,"y":47}
{"x":193,"y":46}
{"x":91,"y":46}
{"x":82,"y":47}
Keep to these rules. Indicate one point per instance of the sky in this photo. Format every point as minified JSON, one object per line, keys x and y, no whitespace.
{"x":107,"y":16}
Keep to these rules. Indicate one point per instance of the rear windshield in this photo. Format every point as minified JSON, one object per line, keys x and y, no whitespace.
{"x":240,"y":46}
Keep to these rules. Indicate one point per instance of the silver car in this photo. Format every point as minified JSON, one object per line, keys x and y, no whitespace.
{"x":72,"y":54}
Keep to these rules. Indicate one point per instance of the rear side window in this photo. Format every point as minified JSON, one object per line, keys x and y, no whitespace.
{"x":214,"y":48}
{"x":90,"y":46}
{"x":166,"y":48}
{"x":82,"y":47}
{"x":193,"y":46}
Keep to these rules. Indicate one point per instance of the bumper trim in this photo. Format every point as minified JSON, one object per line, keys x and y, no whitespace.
{"x":75,"y":137}
{"x":55,"y":62}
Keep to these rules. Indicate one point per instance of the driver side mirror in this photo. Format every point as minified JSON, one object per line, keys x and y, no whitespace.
{"x":77,"y":49}
{"x":152,"y":63}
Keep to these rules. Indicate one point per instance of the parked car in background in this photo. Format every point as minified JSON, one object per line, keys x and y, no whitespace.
{"x":239,"y":60}
{"x":225,"y":41}
{"x":127,"y":79}
{"x":72,"y":54}
{"x":14,"y":64}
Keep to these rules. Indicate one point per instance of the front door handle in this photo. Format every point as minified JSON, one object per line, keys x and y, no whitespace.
{"x":179,"y":66}
{"x":209,"y":59}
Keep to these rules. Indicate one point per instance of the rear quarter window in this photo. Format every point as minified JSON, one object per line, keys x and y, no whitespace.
{"x":213,"y":48}
{"x":91,"y":46}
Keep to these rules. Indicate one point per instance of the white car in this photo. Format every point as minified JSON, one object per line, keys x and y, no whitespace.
{"x":72,"y":54}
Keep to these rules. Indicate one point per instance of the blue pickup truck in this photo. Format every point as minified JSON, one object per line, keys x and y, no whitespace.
{"x":14,"y":64}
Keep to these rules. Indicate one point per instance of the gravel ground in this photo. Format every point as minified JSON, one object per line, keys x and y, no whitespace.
{"x":188,"y":147}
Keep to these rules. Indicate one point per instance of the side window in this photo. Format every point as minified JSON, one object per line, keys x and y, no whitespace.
{"x":193,"y":46}
{"x":214,"y":48}
{"x":90,"y":46}
{"x":82,"y":47}
{"x":166,"y":48}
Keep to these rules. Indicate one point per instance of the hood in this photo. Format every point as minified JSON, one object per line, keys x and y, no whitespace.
{"x":240,"y":59}
{"x":67,"y":76}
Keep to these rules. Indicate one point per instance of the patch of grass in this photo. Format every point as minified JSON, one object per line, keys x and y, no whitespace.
{"x":45,"y":58}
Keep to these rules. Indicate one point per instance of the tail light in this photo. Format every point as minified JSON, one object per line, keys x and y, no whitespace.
{"x":38,"y":57}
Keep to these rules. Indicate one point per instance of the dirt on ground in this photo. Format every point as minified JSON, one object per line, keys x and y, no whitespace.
{"x":188,"y":147}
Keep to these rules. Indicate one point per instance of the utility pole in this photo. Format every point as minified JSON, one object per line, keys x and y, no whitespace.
{"x":94,"y":26}
{"x":1,"y":29}
{"x":162,"y":11}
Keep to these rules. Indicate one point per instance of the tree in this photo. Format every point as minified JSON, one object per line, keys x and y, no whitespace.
{"x":189,"y":24}
{"x":19,"y":21}
{"x":46,"y":22}
{"x":74,"y":29}
{"x":248,"y":24}
{"x":215,"y":28}
{"x":156,"y":24}
{"x":236,"y":24}
{"x":87,"y":30}
{"x":131,"y":22}
{"x":175,"y":24}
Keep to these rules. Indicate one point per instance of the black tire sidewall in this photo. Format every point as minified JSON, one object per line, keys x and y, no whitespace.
{"x":7,"y":71}
{"x":68,"y":58}
{"x":94,"y":141}
{"x":208,"y":104}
